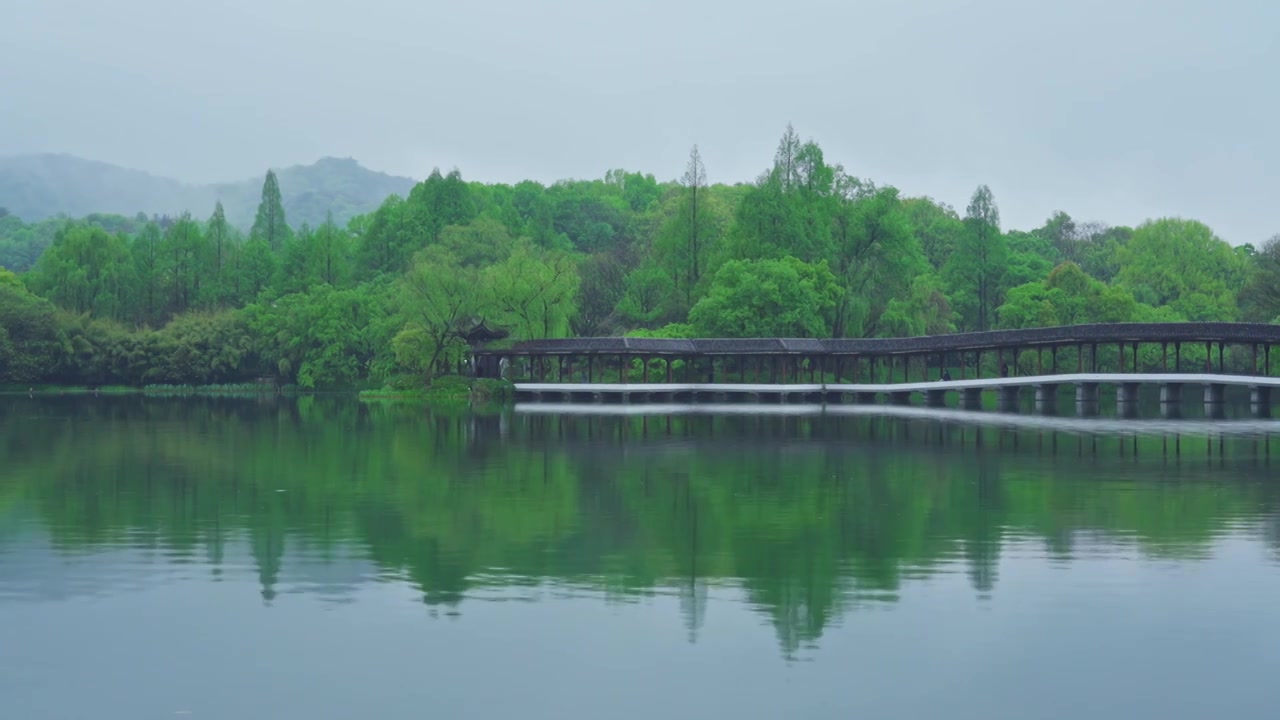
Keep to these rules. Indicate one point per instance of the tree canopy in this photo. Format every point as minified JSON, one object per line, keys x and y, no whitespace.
{"x":806,"y":249}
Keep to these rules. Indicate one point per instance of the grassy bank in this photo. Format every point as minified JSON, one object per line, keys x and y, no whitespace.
{"x":450,"y":389}
{"x":245,"y":389}
{"x":68,"y":390}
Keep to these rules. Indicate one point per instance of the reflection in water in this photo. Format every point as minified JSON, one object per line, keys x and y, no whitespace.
{"x":813,"y":516}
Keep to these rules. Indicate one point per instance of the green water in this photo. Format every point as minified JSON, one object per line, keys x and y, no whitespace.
{"x":324,"y":558}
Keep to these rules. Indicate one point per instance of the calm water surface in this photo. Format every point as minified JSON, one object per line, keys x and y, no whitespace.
{"x":324,"y":558}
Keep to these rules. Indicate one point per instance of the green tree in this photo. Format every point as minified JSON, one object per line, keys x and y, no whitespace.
{"x":695,"y":180}
{"x":768,"y":298}
{"x":481,"y":242}
{"x":269,"y":224}
{"x":1260,"y":296}
{"x":146,"y":254}
{"x":789,"y":209}
{"x":1067,"y":296}
{"x":435,"y":203}
{"x":31,"y":343}
{"x":646,"y":297}
{"x":689,"y":238}
{"x":326,"y":337}
{"x":85,"y":270}
{"x":221,"y":242}
{"x":1181,"y":264}
{"x":184,"y":259}
{"x":603,"y":282}
{"x":440,"y":299}
{"x":533,"y":292}
{"x":256,"y":270}
{"x":876,"y":259}
{"x":315,"y":257}
{"x":936,"y":226}
{"x":975,"y":269}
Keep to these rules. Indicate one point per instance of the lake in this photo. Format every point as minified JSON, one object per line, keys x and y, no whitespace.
{"x":326,"y":558}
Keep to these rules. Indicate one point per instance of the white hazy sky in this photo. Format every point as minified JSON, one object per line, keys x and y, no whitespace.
{"x":1114,"y":110}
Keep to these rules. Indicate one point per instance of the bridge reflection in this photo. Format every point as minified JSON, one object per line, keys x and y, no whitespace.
{"x":1244,"y":440}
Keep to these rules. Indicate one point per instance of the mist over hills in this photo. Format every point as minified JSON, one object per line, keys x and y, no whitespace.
{"x":36,"y":187}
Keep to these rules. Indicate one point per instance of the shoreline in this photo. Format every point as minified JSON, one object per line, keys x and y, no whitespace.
{"x":445,"y":390}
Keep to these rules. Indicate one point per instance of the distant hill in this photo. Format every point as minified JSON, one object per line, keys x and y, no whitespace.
{"x":35,"y":187}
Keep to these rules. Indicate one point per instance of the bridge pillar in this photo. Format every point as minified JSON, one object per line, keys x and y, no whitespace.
{"x":1046,"y":397}
{"x":1127,"y":393}
{"x":900,"y":398}
{"x":1215,"y":405}
{"x":1087,"y":398}
{"x":1010,"y":397}
{"x":1260,"y":400}
{"x":1170,"y":393}
{"x":864,"y":398}
{"x":1087,"y":392}
{"x":971,"y":398}
{"x":936,"y":398}
{"x":1214,"y":394}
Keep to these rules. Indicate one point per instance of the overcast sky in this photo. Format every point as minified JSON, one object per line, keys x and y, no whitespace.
{"x":1114,"y":110}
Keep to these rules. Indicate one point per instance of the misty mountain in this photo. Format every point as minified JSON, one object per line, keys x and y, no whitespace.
{"x":35,"y":187}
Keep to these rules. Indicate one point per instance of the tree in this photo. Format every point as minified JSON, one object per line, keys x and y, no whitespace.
{"x":768,"y":298}
{"x":786,"y":160}
{"x":85,"y":270}
{"x":220,"y":239}
{"x":1183,"y":265}
{"x":145,"y":251}
{"x":687,"y":239}
{"x":269,"y":225}
{"x":695,"y":179}
{"x":31,"y":342}
{"x":439,"y":299}
{"x":979,"y":262}
{"x":257,"y":269}
{"x":924,"y":310}
{"x":184,"y":257}
{"x":1260,"y":296}
{"x":388,"y":240}
{"x":435,"y":203}
{"x":603,"y":282}
{"x":876,"y":257}
{"x":1060,"y":231}
{"x":533,"y":292}
{"x":326,"y":337}
{"x":789,"y":209}
{"x":481,"y":242}
{"x":1067,"y":296}
{"x":646,"y":296}
{"x":316,"y":257}
{"x":936,"y":226}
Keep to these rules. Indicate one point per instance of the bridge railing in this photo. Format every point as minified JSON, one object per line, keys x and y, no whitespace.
{"x":1222,"y":348}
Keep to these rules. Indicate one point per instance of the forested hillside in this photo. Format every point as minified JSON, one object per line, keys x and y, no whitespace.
{"x":807,"y":250}
{"x":36,"y":188}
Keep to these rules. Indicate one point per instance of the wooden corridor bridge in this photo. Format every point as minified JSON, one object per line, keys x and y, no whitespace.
{"x":1211,"y":356}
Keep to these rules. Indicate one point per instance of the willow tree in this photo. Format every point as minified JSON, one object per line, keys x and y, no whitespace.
{"x":533,"y":292}
{"x":438,"y":297}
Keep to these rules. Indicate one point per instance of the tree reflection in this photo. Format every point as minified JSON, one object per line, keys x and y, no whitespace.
{"x":810,"y":516}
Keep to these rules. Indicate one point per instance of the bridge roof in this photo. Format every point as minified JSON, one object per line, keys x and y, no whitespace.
{"x":1191,"y":332}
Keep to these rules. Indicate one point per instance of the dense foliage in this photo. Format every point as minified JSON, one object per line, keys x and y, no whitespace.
{"x":806,"y":250}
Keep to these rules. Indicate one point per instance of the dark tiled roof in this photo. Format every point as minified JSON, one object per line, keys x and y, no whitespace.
{"x":1231,"y":333}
